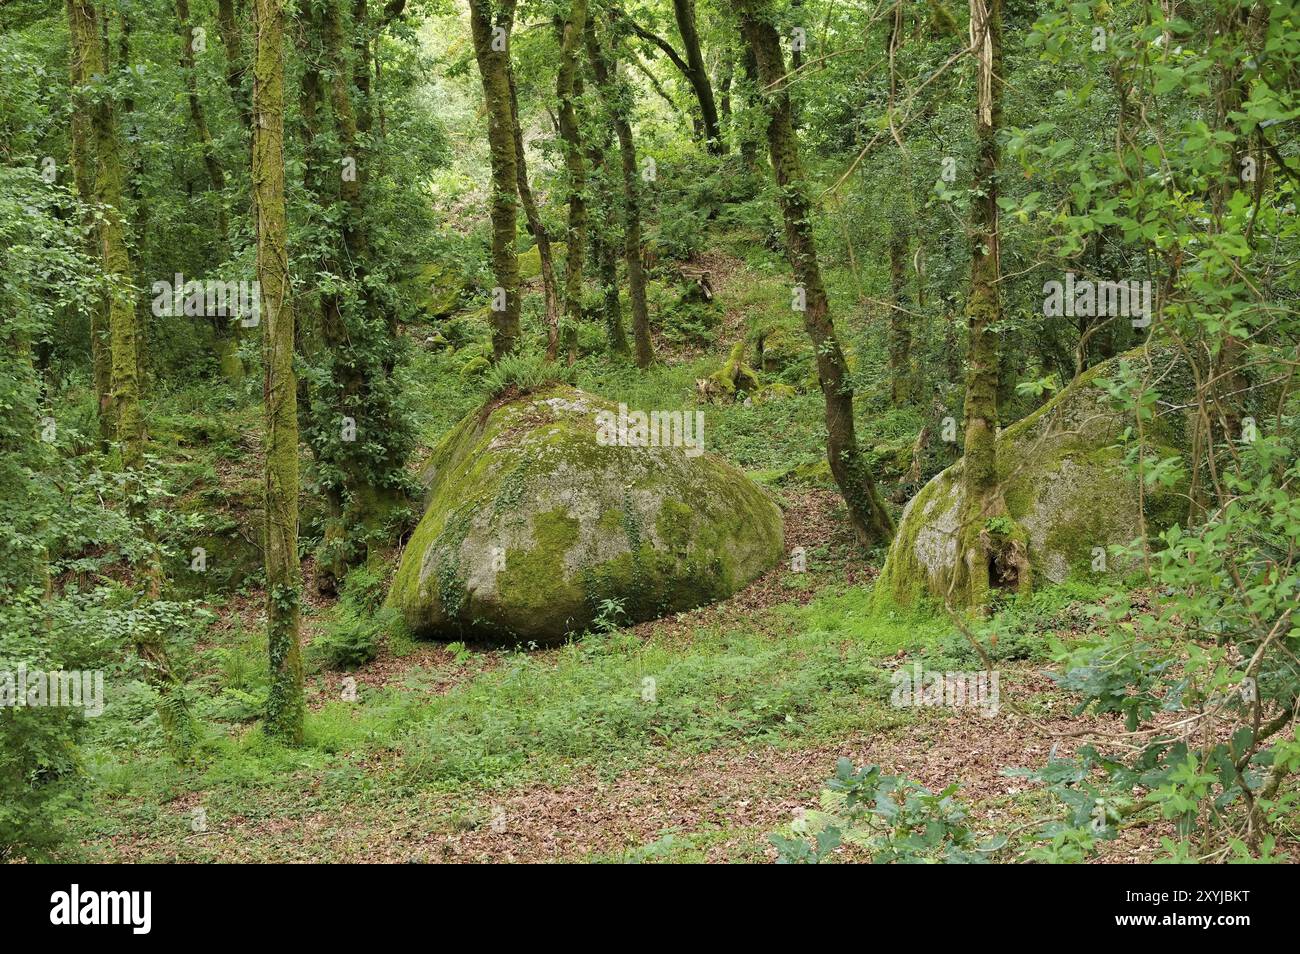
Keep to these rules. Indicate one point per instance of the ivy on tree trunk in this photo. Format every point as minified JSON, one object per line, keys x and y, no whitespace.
{"x":284,"y":703}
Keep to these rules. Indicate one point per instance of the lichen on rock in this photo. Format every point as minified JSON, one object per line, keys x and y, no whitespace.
{"x":531,"y":523}
{"x":1065,"y":483}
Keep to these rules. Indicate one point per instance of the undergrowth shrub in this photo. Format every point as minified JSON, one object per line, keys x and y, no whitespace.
{"x":360,"y":622}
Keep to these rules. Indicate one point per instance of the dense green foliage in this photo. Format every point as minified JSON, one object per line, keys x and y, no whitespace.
{"x":483,"y":199}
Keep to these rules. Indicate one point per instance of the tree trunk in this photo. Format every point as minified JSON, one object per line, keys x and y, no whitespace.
{"x":618,"y":101}
{"x":225,"y":329}
{"x":537,"y":229}
{"x":870,"y":520}
{"x":492,"y":51}
{"x":307,"y":316}
{"x":89,"y":66}
{"x":232,"y":40}
{"x":216,"y":175}
{"x":109,"y":188}
{"x":284,"y":704}
{"x":571,"y":32}
{"x":990,"y":556}
{"x":84,"y":180}
{"x":697,"y":75}
{"x":1230,"y":381}
{"x":900,"y":322}
{"x":691,"y":67}
{"x":748,"y":145}
{"x":133,"y":197}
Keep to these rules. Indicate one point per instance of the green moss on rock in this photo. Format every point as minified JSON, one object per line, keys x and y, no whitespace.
{"x":1065,"y":484}
{"x":438,"y":289}
{"x":530,"y":261}
{"x":554,"y":522}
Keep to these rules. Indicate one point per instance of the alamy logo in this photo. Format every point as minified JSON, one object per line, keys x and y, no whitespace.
{"x":103,"y":907}
{"x":656,"y":429}
{"x":208,"y":299}
{"x":1089,"y":299}
{"x":81,"y":689}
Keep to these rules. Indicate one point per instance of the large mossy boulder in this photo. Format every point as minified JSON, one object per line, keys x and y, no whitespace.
{"x":1065,"y":483}
{"x":532,"y":522}
{"x":438,"y":288}
{"x":530,"y":261}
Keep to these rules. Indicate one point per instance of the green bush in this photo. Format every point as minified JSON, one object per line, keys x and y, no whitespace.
{"x":360,"y":623}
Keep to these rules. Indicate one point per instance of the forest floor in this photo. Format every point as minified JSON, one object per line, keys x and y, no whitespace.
{"x":360,"y":791}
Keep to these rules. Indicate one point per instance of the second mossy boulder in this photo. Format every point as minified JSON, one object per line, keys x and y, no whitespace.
{"x":1066,"y":481}
{"x":542,"y":513}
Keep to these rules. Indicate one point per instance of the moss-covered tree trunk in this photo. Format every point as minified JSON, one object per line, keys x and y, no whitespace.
{"x":726,"y":70}
{"x":135,"y":199}
{"x":83,"y":174}
{"x":343,"y":400}
{"x":284,"y":704}
{"x":307,"y":314}
{"x":605,"y":252}
{"x":900,"y":318}
{"x":604,"y":242}
{"x":358,"y":439}
{"x":537,"y":229}
{"x":233,"y":41}
{"x":211,"y":161}
{"x":227,"y":341}
{"x":870,"y":520}
{"x":362,"y":33}
{"x":491,"y":31}
{"x":124,"y":363}
{"x":571,"y":29}
{"x":697,"y":74}
{"x":749,"y":151}
{"x":991,"y":548}
{"x":90,"y":66}
{"x":618,"y":102}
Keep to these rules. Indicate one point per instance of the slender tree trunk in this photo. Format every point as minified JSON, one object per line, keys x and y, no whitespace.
{"x":492,"y":51}
{"x":134,"y":198}
{"x":748,"y":144}
{"x":537,"y":229}
{"x":232,"y":40}
{"x":308,"y":314}
{"x":691,"y":67}
{"x":284,"y":704}
{"x":109,"y":190}
{"x":361,"y":36}
{"x":352,"y":166}
{"x":227,"y":342}
{"x":606,"y":255}
{"x":697,"y":74}
{"x":83,"y":174}
{"x":1231,"y":383}
{"x":352,"y":417}
{"x":571,"y":31}
{"x":604,"y":249}
{"x":725,"y":73}
{"x":618,"y":101}
{"x":900,"y":321}
{"x":90,"y":66}
{"x":211,"y":162}
{"x":988,"y":557}
{"x":867,"y":515}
